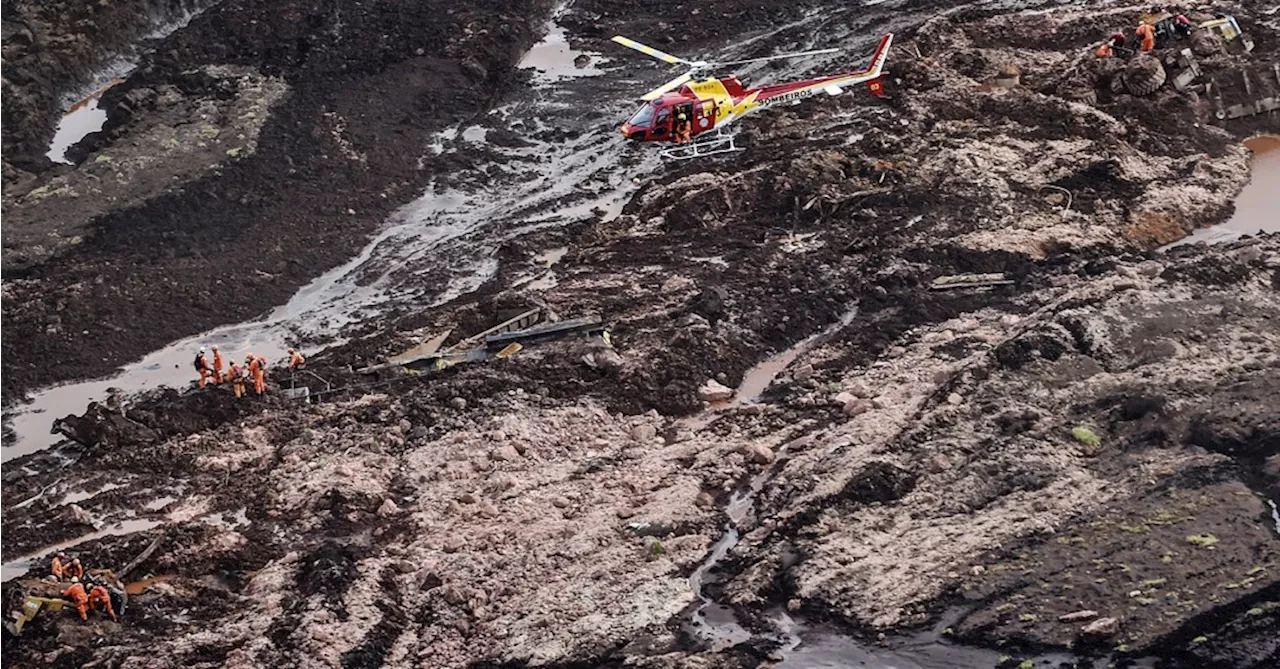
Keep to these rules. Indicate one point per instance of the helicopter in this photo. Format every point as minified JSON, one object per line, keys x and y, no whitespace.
{"x":713,"y":103}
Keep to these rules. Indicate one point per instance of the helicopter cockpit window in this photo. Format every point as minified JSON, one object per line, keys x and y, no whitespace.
{"x":643,"y":118}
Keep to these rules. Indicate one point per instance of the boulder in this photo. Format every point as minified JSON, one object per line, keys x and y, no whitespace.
{"x":644,"y":433}
{"x":759,"y":454}
{"x":714,"y":391}
{"x":388,"y":509}
{"x":1078,"y":616}
{"x":1102,"y":627}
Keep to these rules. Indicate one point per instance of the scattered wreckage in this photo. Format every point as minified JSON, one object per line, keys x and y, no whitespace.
{"x":500,"y":341}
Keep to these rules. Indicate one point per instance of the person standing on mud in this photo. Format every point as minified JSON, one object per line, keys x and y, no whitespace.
{"x":257,"y":365}
{"x":217,"y":366}
{"x":296,"y":361}
{"x":202,"y":366}
{"x":236,"y":375}
{"x":1148,"y":34}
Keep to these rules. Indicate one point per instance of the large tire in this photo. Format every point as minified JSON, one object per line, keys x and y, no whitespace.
{"x":1144,"y":75}
{"x":1079,"y":89}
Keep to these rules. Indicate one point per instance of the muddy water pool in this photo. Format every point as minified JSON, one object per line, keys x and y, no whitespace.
{"x":1257,"y":206}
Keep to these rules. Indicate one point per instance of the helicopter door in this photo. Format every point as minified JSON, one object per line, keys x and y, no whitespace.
{"x":661,"y":124}
{"x":687,"y":109}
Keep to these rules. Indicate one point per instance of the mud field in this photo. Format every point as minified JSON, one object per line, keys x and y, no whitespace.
{"x":1075,"y":466}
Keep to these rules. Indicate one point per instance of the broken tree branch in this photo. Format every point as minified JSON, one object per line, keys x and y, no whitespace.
{"x":142,"y":556}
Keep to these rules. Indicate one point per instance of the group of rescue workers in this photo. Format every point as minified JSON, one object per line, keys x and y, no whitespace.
{"x":1144,"y":36}
{"x":254,"y":369}
{"x":87,"y":595}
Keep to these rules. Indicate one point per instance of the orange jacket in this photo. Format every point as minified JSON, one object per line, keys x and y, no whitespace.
{"x":74,"y":569}
{"x":1103,"y":51}
{"x":100,"y":594}
{"x":217,"y":360}
{"x":296,"y":360}
{"x":76,"y":593}
{"x":55,"y":567}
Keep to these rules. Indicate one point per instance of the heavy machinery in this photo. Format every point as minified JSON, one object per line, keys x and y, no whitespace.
{"x":41,"y":598}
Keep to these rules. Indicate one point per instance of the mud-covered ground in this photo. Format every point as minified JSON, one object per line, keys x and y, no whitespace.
{"x":1099,"y":436}
{"x":253,"y":149}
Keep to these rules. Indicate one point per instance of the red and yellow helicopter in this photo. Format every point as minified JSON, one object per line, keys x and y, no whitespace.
{"x":710,"y":104}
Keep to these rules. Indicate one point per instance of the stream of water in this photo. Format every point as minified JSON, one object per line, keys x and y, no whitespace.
{"x":455,"y":228}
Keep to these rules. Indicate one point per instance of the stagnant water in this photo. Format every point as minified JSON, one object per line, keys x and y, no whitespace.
{"x":20,"y":566}
{"x":82,"y":115}
{"x":456,"y":230}
{"x":1257,"y":206}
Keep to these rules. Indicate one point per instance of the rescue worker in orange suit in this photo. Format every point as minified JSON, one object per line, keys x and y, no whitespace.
{"x":296,"y":361}
{"x":75,"y":569}
{"x":202,"y":366}
{"x":77,"y":594}
{"x":682,"y":128}
{"x":58,"y":565}
{"x":1148,"y":34}
{"x":257,"y":369}
{"x":99,"y":595}
{"x":1104,"y":51}
{"x":236,"y":374}
{"x":217,"y":366}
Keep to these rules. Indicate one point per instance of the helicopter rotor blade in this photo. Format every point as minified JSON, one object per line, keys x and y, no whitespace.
{"x":670,"y":85}
{"x":650,"y":51}
{"x":801,"y":54}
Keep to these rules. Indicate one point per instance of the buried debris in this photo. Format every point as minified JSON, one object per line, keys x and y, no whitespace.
{"x":970,"y":281}
{"x":501,"y":341}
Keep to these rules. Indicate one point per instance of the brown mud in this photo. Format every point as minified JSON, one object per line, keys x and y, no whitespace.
{"x":1099,"y":435}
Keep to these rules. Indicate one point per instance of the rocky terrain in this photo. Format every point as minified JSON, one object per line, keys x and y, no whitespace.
{"x":1074,"y":466}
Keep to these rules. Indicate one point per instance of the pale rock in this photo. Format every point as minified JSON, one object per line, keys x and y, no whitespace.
{"x":1078,"y":616}
{"x":453,"y":544}
{"x":388,"y":509}
{"x":857,"y":407}
{"x":859,"y":390}
{"x":803,"y":373}
{"x":1102,"y":627}
{"x":78,"y":516}
{"x":759,"y":454}
{"x":504,"y":453}
{"x":644,"y":433}
{"x":954,"y":399}
{"x":714,"y":391}
{"x":704,"y":500}
{"x":843,"y":398}
{"x":560,"y":502}
{"x":458,"y":403}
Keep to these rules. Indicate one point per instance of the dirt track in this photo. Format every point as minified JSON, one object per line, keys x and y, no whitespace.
{"x":918,"y":461}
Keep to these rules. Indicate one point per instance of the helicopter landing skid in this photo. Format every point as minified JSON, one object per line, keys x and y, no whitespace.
{"x":717,"y":143}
